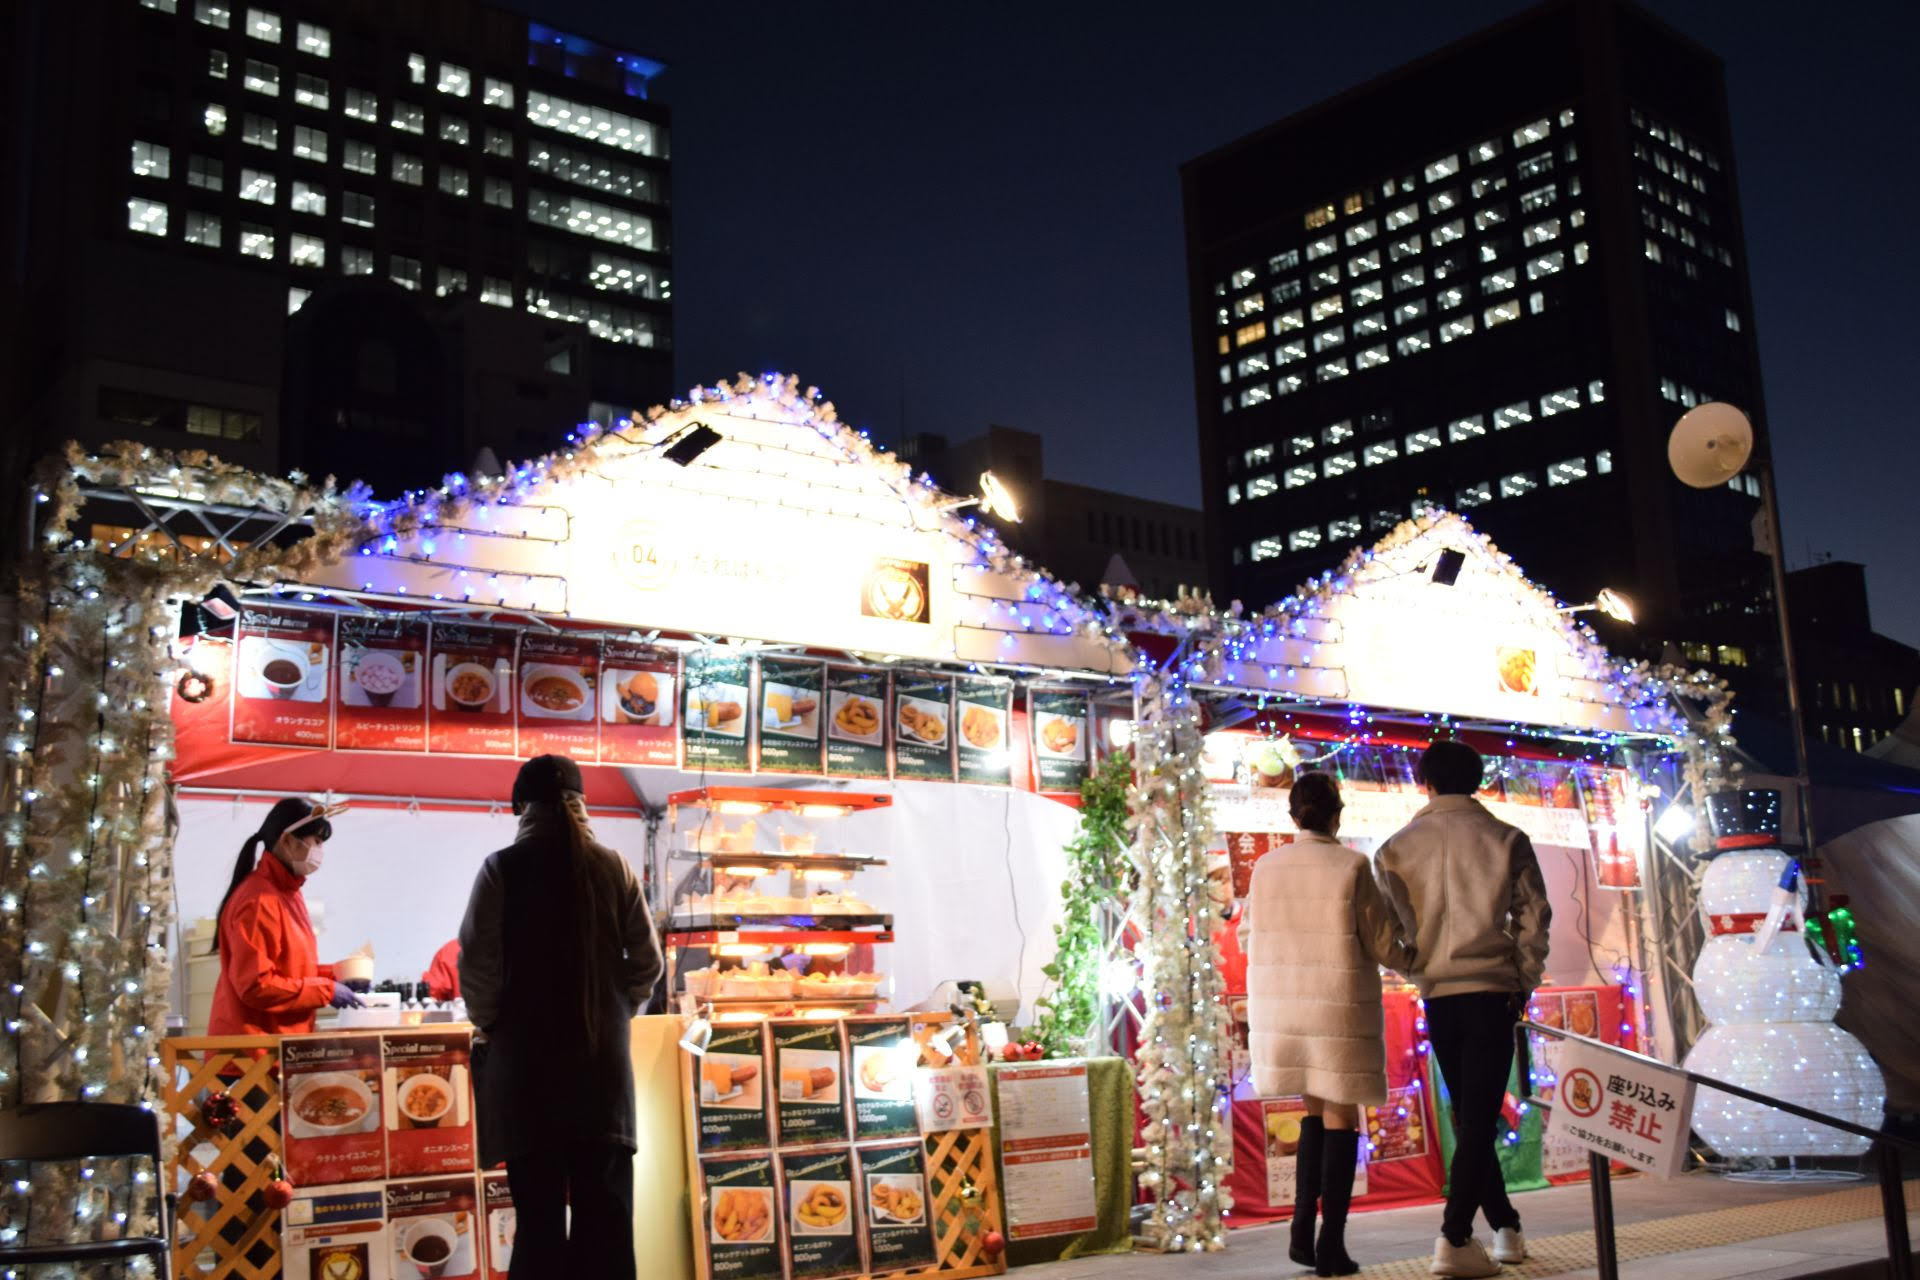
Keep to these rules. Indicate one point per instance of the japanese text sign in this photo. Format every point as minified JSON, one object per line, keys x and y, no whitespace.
{"x":1628,"y":1109}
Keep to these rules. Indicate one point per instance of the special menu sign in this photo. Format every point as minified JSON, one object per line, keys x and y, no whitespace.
{"x":559,"y":678}
{"x":730,"y":1109}
{"x":281,"y":662}
{"x":330,"y":1124}
{"x":821,"y":1241}
{"x":380,"y":684}
{"x":1059,"y":721}
{"x":638,"y":685}
{"x":894,"y":1194}
{"x":470,"y":690}
{"x":882,"y":1058}
{"x":922,"y":726}
{"x":791,"y":716}
{"x":742,"y":1236}
{"x":856,"y":710}
{"x":982,"y":708}
{"x":429,"y":1102}
{"x":715,"y":714}
{"x":810,"y":1091}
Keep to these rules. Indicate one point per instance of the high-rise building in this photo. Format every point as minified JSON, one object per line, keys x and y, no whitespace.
{"x":1490,"y":280}
{"x":350,"y":236}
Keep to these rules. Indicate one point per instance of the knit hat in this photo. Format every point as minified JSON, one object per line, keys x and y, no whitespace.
{"x":544,"y":779}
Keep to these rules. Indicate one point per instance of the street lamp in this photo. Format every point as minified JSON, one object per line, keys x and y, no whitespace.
{"x":1614,"y":604}
{"x":995,"y":499}
{"x":1710,"y":445}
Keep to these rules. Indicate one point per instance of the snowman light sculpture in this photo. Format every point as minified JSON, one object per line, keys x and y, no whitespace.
{"x":1771,"y":1001}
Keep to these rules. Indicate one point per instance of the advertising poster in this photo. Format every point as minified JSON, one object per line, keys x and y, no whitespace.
{"x":731,"y":1097}
{"x":380,"y":681}
{"x":856,"y":722}
{"x":434,"y":1228}
{"x":983,"y":708}
{"x":496,"y":1199}
{"x":1397,"y":1130}
{"x":559,"y":676}
{"x":791,"y":723}
{"x":338,"y":1231}
{"x":281,"y":662}
{"x":330,"y":1126}
{"x":428,"y":1086}
{"x":922,"y":724}
{"x":714,"y":716}
{"x":821,"y":1241}
{"x":882,"y":1056}
{"x":894,"y":1198}
{"x":470,"y":690}
{"x":638,"y":686}
{"x":952,"y":1098}
{"x":1046,"y":1146}
{"x":1059,"y":721}
{"x":743,"y":1223}
{"x":1244,"y":848}
{"x":1282,"y":1117}
{"x":809,"y":1093}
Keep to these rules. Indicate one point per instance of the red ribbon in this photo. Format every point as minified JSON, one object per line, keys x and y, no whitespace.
{"x":1732,"y":922}
{"x":1755,"y":840}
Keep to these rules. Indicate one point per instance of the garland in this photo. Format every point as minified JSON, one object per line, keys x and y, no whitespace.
{"x":1097,"y":875}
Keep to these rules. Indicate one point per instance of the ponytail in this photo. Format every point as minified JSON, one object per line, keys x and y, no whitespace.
{"x":242,"y":868}
{"x":596,"y":908}
{"x":283,"y":815}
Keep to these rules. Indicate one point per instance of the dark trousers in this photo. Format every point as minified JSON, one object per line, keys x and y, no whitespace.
{"x":596,"y":1179}
{"x":1472,"y":1037}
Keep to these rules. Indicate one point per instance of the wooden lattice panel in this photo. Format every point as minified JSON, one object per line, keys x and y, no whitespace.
{"x":956,"y":1159}
{"x":243,"y":1067}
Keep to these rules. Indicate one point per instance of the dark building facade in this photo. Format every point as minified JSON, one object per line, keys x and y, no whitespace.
{"x":1856,"y":685}
{"x":1073,"y":531}
{"x":349,"y":236}
{"x":1490,"y":280}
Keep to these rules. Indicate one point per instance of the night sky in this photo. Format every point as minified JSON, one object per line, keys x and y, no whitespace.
{"x":946,"y":216}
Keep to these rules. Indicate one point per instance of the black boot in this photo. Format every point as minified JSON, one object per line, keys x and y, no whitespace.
{"x":1339,"y":1154}
{"x":1306,"y":1189}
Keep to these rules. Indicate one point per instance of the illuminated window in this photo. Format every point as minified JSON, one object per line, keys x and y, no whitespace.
{"x":1338,"y":464}
{"x":1360,"y":264}
{"x":1403,"y":248}
{"x":1233,"y":492}
{"x":1259,"y":455}
{"x":499,"y":93}
{"x":1652,"y":249}
{"x":1322,"y":247}
{"x":1422,"y":440}
{"x":1533,"y":166}
{"x":601,"y":221}
{"x":1562,"y":401}
{"x":1547,"y":264}
{"x":262,"y":25}
{"x":1444,"y":167}
{"x":217,"y":64}
{"x":1567,"y":472}
{"x":500,"y":143}
{"x":1383,"y":521}
{"x":496,"y":291}
{"x":1458,"y":327}
{"x":256,"y":241}
{"x":1250,"y":333}
{"x":1329,"y":306}
{"x":307,"y":251}
{"x":1288,"y":383}
{"x":1337,"y":432}
{"x":257,"y":185}
{"x":359,"y":157}
{"x":455,"y":80}
{"x":1328,"y":338}
{"x":1261,"y":486}
{"x":1469,"y":428}
{"x":261,"y":131}
{"x":1370,"y":324}
{"x":262,"y":77}
{"x":1259,"y":393}
{"x":1603,"y":462}
{"x":1361,"y":232}
{"x":356,"y":209}
{"x":1365,"y":295}
{"x":203,"y":229}
{"x":1304,"y":539}
{"x":1447,"y":233}
{"x":314,"y":39}
{"x":1512,"y":415}
{"x":1249,"y":305}
{"x":213,"y":13}
{"x":311,"y":91}
{"x":1400,"y":217}
{"x":1331,"y":370}
{"x":1500,"y":281}
{"x":1344,"y":527}
{"x":1491,"y":216}
{"x":417,"y":68}
{"x":453,"y":181}
{"x":1476,"y":495}
{"x":1597,"y":391}
{"x":1320,"y":217}
{"x":1519,"y":484}
{"x":1380,"y":451}
{"x":1268,"y":549}
{"x":1298,"y":446}
{"x":405,"y":272}
{"x":308,"y":198}
{"x":1538,"y":198}
{"x":453,"y":129}
{"x":623,"y":132}
{"x":1442,"y":201}
{"x":1501,"y":313}
{"x":216,"y":119}
{"x":1252,"y":364}
{"x":409,"y":117}
{"x":1410,"y":310}
{"x":407,"y":169}
{"x":310,"y":144}
{"x":1534,"y":132}
{"x":1284,"y":261}
{"x":1287,"y":290}
{"x":1536,"y":302}
{"x":151,"y":160}
{"x":1412,"y":344}
{"x":1371,"y":358}
{"x":1410,"y":278}
{"x":149,"y":217}
{"x":1326,"y":277}
{"x":1579,"y":253}
{"x":1288,"y":352}
{"x":1287,"y":321}
{"x":363,"y":104}
{"x":1488,"y":185}
{"x":1449,"y":298}
{"x":1733,"y":320}
{"x":1355,"y":202}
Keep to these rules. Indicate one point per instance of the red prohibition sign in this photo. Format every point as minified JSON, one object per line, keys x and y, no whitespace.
{"x":1580,"y":1090}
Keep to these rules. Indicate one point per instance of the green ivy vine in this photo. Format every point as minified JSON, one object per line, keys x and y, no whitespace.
{"x":1098,"y":871}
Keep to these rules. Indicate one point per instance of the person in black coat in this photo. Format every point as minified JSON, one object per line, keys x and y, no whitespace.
{"x":557,"y":954}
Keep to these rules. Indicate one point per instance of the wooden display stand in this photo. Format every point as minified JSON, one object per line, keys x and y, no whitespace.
{"x":243,"y":1067}
{"x":956,"y":1160}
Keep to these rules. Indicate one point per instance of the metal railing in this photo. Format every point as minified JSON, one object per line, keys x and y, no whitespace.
{"x":1886,"y":1151}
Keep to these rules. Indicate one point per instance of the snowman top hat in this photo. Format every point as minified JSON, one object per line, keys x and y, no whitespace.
{"x":1745,"y":819}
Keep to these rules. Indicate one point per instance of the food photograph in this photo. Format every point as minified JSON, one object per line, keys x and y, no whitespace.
{"x":332,"y":1104}
{"x":1060,"y":735}
{"x":719,"y":708}
{"x":896,"y":1199}
{"x":742,"y":1215}
{"x":821,"y":1208}
{"x":381,"y":678}
{"x":636,"y":697}
{"x":923,"y":721}
{"x":856,"y":718}
{"x":552,"y":692}
{"x":791,"y":710}
{"x":982,"y":728}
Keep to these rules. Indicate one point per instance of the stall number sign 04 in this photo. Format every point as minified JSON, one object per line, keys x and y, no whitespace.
{"x":1627,"y":1109}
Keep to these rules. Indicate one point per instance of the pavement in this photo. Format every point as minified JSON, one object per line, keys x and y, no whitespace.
{"x":1697,"y":1227}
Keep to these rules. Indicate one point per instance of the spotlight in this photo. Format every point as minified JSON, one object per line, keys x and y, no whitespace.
{"x":221,"y":602}
{"x":1446,"y":570}
{"x":699,"y":1032}
{"x":996,"y":499}
{"x":1675,"y":825}
{"x":681,"y":449}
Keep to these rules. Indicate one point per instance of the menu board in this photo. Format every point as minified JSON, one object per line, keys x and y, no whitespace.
{"x":429,"y":1101}
{"x":637,"y":702}
{"x":821,"y":1241}
{"x":742,"y":1228}
{"x":1059,"y":722}
{"x":730,"y":1102}
{"x":556,"y":714}
{"x":810,"y":1099}
{"x":380,"y":674}
{"x":330,"y":1126}
{"x":281,"y":658}
{"x":922,"y":724}
{"x":894,"y":1194}
{"x":982,"y":707}
{"x":470,"y":690}
{"x":339,"y":1231}
{"x":501,"y":1223}
{"x":882,"y":1056}
{"x":856,"y":722}
{"x":1046,"y":1150}
{"x":790,"y":718}
{"x":714,"y":717}
{"x":434,"y":1228}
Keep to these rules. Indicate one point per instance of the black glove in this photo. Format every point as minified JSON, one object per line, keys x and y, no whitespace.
{"x":344,"y":997}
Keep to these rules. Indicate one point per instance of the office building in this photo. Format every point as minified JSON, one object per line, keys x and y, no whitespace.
{"x":1094,"y":537}
{"x":1489,"y":280}
{"x":350,"y":236}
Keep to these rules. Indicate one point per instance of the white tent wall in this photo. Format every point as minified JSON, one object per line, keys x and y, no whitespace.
{"x":1589,"y":933}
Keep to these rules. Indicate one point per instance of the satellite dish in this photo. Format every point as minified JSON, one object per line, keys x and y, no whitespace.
{"x":1710,"y":445}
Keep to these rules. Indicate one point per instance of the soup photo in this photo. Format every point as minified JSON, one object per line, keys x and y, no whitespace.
{"x":550,"y":692}
{"x":331,"y":1104}
{"x":282,"y":670}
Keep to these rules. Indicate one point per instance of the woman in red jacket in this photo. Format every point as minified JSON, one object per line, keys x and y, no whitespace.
{"x":271,"y":979}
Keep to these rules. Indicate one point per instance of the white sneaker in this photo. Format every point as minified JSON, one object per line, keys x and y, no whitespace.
{"x":1509,"y":1245}
{"x":1469,"y":1259}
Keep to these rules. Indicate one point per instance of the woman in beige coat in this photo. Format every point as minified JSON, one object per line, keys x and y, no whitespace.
{"x":1316,"y":932}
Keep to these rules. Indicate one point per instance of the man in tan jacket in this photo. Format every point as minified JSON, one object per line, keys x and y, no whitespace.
{"x":1468,"y":891}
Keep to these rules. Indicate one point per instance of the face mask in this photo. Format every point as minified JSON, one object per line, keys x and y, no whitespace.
{"x":312,"y":855}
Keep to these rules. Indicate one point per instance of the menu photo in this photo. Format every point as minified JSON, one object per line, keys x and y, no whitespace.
{"x":896,"y":1207}
{"x":470,"y":690}
{"x":330,"y":1126}
{"x":742,"y":1223}
{"x":981,"y":708}
{"x":809,"y":1090}
{"x":637,"y":704}
{"x":1059,"y":720}
{"x":429,"y":1101}
{"x":922,"y":726}
{"x":791,"y":703}
{"x":856,"y":711}
{"x":715,"y":724}
{"x":882,"y":1058}
{"x":501,"y":1223}
{"x":433,"y":1228}
{"x":336,"y":1233}
{"x":730,"y":1089}
{"x":822,"y":1243}
{"x":381,"y":668}
{"x":555,"y":707}
{"x":281,"y":662}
